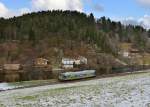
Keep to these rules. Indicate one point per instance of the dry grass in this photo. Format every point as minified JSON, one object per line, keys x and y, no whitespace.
{"x":126,"y":46}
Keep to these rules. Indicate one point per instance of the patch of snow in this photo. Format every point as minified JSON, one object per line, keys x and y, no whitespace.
{"x":6,"y":86}
{"x":124,"y":91}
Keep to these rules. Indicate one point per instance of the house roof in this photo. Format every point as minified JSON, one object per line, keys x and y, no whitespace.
{"x":73,"y":58}
{"x":42,"y":59}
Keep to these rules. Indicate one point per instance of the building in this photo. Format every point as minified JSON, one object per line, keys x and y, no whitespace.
{"x":134,"y":52}
{"x":12,"y":67}
{"x":41,"y":62}
{"x":125,"y":54}
{"x":11,"y":72}
{"x":83,"y":60}
{"x":69,"y":63}
{"x":127,"y":50}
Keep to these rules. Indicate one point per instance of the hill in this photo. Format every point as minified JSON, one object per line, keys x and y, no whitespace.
{"x":55,"y":34}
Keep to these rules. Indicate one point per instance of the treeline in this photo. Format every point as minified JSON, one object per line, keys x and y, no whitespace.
{"x":130,"y":34}
{"x":72,"y":25}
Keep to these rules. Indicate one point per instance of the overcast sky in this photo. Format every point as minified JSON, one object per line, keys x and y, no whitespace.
{"x":127,"y":11}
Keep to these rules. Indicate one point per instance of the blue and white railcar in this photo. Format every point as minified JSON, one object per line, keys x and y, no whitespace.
{"x":77,"y":75}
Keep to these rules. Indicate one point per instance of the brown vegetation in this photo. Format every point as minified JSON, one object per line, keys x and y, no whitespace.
{"x":12,"y":77}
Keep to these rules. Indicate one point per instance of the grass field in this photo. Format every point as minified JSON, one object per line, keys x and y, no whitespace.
{"x":16,"y":85}
{"x":124,"y":91}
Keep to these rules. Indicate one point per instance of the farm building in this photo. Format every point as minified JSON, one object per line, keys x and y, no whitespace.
{"x":41,"y":62}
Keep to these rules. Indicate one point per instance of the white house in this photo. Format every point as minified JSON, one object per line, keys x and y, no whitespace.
{"x":77,"y":62}
{"x":68,"y":63}
{"x":83,"y":60}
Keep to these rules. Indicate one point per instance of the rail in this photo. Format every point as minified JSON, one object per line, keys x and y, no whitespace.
{"x":131,"y":68}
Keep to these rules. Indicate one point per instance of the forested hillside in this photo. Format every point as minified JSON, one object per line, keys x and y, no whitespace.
{"x":60,"y":33}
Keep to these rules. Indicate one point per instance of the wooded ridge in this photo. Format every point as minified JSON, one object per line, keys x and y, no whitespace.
{"x":56,"y":33}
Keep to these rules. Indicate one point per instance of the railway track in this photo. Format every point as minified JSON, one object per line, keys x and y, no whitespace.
{"x":56,"y":81}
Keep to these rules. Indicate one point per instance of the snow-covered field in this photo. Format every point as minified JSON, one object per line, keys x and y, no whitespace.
{"x":124,"y":91}
{"x":15,"y":85}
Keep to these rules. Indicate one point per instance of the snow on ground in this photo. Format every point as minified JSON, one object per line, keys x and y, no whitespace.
{"x":15,"y":85}
{"x":6,"y":86}
{"x":124,"y":91}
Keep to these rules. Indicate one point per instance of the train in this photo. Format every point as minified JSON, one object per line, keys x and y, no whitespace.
{"x":66,"y":76}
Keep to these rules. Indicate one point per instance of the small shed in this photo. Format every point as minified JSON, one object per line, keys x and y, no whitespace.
{"x":41,"y":62}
